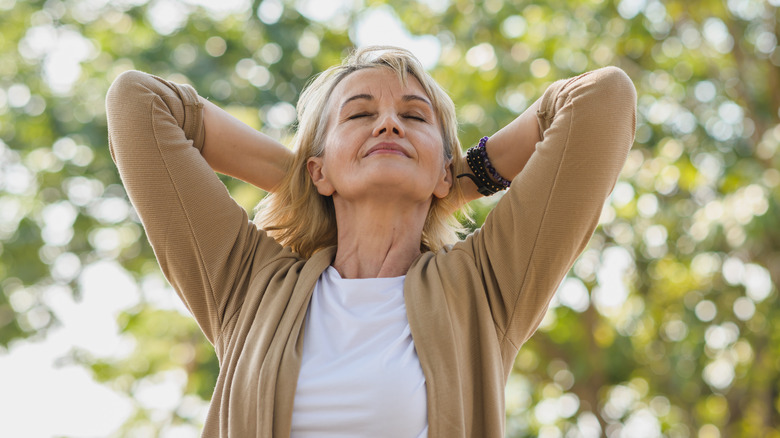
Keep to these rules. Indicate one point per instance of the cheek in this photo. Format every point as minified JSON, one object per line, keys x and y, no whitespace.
{"x":334,"y":153}
{"x":434,"y":137}
{"x":436,"y":150}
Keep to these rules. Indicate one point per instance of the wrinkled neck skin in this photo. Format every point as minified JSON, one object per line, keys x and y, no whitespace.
{"x":378,"y":237}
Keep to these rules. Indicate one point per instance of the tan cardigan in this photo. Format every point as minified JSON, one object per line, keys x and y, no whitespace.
{"x":470,"y":307}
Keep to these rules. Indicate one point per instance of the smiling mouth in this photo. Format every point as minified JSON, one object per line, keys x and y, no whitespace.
{"x":387,"y":149}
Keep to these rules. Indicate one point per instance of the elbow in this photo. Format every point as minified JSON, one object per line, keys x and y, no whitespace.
{"x":124,"y":92}
{"x":616,"y":83}
{"x":616,"y":97}
{"x":131,"y":92}
{"x":608,"y":97}
{"x":124,"y":86}
{"x":125,"y":103}
{"x":117,"y":99}
{"x":611,"y":88}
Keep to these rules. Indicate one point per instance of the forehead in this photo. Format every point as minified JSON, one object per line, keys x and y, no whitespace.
{"x":375,"y":81}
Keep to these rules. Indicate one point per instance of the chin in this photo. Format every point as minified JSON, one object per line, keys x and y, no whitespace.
{"x":401,"y":190}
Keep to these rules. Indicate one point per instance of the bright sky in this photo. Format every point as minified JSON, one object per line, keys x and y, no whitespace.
{"x":38,"y":383}
{"x":43,"y":399}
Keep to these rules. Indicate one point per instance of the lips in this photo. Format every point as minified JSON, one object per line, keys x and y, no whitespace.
{"x":387,"y":148}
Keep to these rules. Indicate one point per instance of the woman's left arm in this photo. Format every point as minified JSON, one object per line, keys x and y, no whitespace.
{"x":571,"y":147}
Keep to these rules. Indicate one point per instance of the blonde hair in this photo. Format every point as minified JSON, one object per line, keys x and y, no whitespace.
{"x":296,"y":215}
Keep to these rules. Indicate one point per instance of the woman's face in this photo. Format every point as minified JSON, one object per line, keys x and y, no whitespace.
{"x":382,"y":140}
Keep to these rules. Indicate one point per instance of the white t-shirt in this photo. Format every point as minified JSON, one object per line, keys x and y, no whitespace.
{"x":360,"y":375}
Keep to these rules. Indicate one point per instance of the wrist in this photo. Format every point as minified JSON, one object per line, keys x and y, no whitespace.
{"x":484,"y":176}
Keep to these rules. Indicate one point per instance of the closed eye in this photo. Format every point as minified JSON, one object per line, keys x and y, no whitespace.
{"x":415,"y":117}
{"x":358,"y":115}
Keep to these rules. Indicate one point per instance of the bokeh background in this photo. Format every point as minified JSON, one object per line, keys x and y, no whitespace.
{"x":668,"y":324}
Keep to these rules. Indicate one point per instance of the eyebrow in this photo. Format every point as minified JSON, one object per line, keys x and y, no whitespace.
{"x":356,"y":97}
{"x":405,"y":98}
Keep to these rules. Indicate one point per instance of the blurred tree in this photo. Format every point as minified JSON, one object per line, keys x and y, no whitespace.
{"x":666,"y":326}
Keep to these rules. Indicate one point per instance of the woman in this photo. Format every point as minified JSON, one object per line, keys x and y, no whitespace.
{"x":348,"y":309}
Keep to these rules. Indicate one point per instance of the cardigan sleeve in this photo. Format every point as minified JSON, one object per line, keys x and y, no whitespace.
{"x":544,"y":221}
{"x":203,"y":240}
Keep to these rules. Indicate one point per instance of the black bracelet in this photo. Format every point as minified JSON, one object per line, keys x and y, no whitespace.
{"x":504,"y":183}
{"x":480,"y":165}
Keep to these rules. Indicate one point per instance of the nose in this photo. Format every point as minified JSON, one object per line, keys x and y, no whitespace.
{"x":388,"y":123}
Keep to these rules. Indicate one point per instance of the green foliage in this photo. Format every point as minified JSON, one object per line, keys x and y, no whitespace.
{"x":684,"y":343}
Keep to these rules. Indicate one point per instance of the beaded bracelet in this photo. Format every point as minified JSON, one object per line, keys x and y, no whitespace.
{"x":480,"y":165}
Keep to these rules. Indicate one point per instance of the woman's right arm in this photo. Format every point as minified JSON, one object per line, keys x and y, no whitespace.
{"x":203,"y":240}
{"x":235,"y":149}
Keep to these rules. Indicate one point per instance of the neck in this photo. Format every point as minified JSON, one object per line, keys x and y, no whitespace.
{"x":377,"y":237}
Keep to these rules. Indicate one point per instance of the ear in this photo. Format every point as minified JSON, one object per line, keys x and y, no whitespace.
{"x":444,"y":184}
{"x":314,"y":166}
